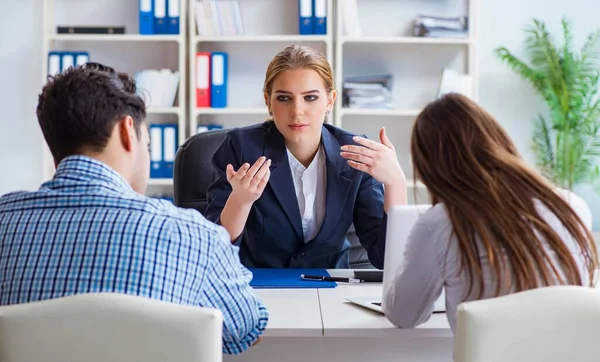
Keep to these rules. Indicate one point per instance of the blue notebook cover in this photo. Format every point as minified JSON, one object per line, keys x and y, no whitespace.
{"x":287,"y":278}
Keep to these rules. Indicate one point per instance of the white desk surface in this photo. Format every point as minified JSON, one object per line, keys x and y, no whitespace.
{"x":324,"y":312}
{"x":292,"y":312}
{"x":344,"y":319}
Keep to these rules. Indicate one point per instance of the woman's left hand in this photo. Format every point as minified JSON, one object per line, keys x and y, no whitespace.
{"x":377,"y":159}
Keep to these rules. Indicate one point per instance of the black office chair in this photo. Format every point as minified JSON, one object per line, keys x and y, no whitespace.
{"x":193,"y":171}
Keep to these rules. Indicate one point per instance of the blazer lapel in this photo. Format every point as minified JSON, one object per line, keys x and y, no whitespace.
{"x":338,"y":184}
{"x":281,"y":181}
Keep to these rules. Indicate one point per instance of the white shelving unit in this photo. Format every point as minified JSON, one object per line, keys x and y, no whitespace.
{"x":386,"y":47}
{"x":130,"y":52}
{"x":249,"y":55}
{"x":416,"y":63}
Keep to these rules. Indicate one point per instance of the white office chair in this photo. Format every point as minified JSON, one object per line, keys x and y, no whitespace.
{"x":552,"y":324}
{"x":112,"y":327}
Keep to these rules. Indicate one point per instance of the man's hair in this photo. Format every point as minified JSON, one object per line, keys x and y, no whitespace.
{"x":79,"y":108}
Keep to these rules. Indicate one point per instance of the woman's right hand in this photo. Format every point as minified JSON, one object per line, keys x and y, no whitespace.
{"x":248,"y":183}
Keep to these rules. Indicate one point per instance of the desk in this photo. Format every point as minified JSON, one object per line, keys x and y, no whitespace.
{"x":292,"y":312}
{"x":318,"y":325}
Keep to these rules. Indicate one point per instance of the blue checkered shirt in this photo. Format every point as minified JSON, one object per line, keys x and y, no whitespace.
{"x":86,"y":231}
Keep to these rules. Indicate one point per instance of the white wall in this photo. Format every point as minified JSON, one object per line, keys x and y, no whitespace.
{"x":20,"y":138}
{"x":509,"y":99}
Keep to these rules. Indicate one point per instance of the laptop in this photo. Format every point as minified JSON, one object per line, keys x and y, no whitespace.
{"x":399,"y":224}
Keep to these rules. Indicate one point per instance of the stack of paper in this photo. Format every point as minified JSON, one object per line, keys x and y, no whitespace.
{"x":441,"y":27}
{"x":368,"y":92}
{"x":219,"y":17}
{"x":157,"y":87}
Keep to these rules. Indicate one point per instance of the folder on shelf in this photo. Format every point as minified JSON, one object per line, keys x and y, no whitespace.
{"x":82,"y":58}
{"x":173,"y":16}
{"x":320,"y":17}
{"x":202,"y":79}
{"x":160,"y":16}
{"x":146,"y":17}
{"x":156,"y":152}
{"x":169,"y":149}
{"x":218,"y":85}
{"x":305,"y":9}
{"x":68,"y":60}
{"x":54,"y":63}
{"x":263,"y":278}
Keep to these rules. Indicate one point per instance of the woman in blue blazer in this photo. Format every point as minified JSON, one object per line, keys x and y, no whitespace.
{"x":284,"y":192}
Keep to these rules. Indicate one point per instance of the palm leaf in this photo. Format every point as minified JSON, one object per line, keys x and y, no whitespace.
{"x":566,"y":143}
{"x":521,"y":68}
{"x":544,"y":149}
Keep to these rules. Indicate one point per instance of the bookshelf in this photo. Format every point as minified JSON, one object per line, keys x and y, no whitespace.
{"x":385,"y":45}
{"x":129,"y":52}
{"x":249,"y":54}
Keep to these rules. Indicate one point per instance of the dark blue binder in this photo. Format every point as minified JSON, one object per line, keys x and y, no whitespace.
{"x":320,"y":17}
{"x":160,"y":16}
{"x":146,"y":17}
{"x":305,"y":16}
{"x":173,"y":16}
{"x":264,"y":278}
{"x":218,"y":80}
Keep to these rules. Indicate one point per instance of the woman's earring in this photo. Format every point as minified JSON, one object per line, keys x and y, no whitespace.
{"x":327,"y":112}
{"x":271,"y":113}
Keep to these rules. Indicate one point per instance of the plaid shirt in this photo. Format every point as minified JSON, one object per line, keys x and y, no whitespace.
{"x":87,"y":231}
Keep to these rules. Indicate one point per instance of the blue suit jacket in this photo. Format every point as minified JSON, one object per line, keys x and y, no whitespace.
{"x":273,"y":236}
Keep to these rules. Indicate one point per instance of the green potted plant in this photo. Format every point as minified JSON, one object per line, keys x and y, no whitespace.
{"x":566,"y":141}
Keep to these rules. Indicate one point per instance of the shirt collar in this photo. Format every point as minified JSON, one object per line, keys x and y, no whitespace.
{"x":299,"y":167}
{"x":90,"y":170}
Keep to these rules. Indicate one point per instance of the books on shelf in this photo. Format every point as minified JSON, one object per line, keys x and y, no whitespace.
{"x":157,"y":87}
{"x":159,"y":16}
{"x":211,"y":79}
{"x":59,"y":61}
{"x":441,"y":27}
{"x":312,"y":17}
{"x":64,"y":29}
{"x":454,"y":82}
{"x":219,"y":17}
{"x":374,"y":91}
{"x":163,"y":147}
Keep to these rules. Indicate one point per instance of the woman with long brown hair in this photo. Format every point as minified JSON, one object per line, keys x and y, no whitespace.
{"x":496,"y":226}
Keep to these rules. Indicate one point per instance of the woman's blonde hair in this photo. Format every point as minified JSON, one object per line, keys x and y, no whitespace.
{"x":296,"y":57}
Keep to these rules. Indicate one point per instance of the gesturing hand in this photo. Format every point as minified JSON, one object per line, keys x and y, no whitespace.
{"x":248,"y":183}
{"x":377,"y":159}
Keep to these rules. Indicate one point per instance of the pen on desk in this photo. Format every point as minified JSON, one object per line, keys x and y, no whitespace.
{"x":329,"y":279}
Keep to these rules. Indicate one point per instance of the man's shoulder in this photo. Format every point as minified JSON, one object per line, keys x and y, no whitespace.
{"x":187,"y":221}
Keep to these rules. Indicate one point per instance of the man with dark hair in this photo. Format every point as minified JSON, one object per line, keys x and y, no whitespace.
{"x":90,"y":229}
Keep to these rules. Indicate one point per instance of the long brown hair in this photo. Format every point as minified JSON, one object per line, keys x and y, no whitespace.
{"x":468,"y":163}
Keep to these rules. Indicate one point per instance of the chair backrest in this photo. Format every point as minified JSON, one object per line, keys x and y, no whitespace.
{"x":112,"y":327}
{"x":193,"y":171}
{"x":552,"y":324}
